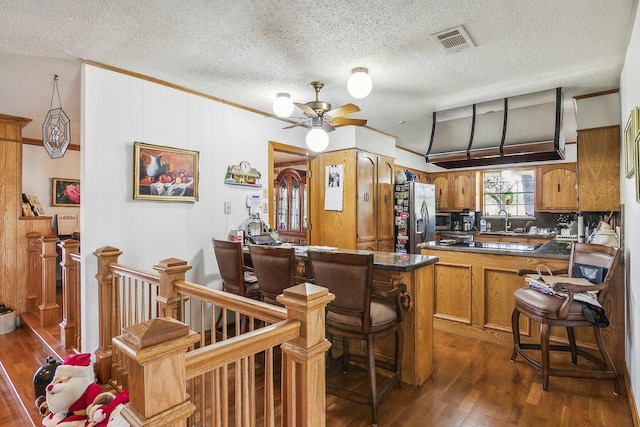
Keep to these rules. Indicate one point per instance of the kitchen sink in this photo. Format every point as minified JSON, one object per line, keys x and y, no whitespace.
{"x":504,"y":246}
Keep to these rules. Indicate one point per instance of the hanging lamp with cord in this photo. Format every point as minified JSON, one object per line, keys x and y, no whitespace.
{"x":56,"y":129}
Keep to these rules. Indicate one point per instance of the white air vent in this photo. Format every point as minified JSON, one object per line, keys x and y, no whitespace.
{"x":453,"y":39}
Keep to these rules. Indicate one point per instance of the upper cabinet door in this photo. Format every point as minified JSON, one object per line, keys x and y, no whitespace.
{"x":464,"y":190}
{"x":366,"y":166}
{"x":385,"y":198}
{"x":556,"y":188}
{"x":441,"y":181}
{"x":599,"y":169}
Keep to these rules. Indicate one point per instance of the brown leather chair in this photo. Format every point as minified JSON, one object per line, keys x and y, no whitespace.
{"x":553,"y":311}
{"x":275,"y":268}
{"x":362,"y":313}
{"x":236,"y":278}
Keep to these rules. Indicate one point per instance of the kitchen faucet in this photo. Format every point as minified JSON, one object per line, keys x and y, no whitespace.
{"x":506,"y":219}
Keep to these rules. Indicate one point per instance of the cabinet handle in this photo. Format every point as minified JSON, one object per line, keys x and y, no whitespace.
{"x":385,"y":199}
{"x":558,"y":188}
{"x":463,"y":191}
{"x":440,"y":190}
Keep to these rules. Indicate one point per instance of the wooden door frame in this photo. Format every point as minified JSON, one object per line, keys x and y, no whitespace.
{"x":291,"y":149}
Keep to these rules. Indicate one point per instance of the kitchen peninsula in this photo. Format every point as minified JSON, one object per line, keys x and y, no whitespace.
{"x":390,"y":270}
{"x":474,"y":284}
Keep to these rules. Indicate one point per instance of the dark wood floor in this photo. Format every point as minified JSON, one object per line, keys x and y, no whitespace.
{"x":474,"y":384}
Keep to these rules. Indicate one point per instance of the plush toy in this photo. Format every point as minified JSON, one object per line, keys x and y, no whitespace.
{"x":71,"y":392}
{"x":105,"y":412}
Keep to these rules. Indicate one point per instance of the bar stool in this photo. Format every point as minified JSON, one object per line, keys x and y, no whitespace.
{"x":362,"y":313}
{"x":275,"y":268}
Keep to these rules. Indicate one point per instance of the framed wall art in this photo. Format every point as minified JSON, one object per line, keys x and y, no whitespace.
{"x":630,"y":133}
{"x":65,"y":192}
{"x":165,"y":173}
{"x":637,"y":165}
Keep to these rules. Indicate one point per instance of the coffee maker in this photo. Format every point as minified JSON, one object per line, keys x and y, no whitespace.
{"x":467,"y":220}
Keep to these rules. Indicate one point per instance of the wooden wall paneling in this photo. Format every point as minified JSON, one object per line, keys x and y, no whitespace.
{"x":498,"y":288}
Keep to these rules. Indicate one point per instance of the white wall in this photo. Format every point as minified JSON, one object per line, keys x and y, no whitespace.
{"x":117,"y":110}
{"x":38,"y":169}
{"x":630,"y":98}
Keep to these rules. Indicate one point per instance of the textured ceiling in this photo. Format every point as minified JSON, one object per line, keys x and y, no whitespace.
{"x":247,"y":51}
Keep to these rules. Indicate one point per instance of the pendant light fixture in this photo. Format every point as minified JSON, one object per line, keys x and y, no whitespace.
{"x":283,"y":106}
{"x":56,"y":129}
{"x":359,"y":84}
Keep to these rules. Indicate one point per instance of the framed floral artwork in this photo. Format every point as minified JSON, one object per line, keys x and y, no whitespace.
{"x":165,"y":173}
{"x":65,"y":192}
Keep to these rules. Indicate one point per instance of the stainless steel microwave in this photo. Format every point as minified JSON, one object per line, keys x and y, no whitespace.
{"x":443,"y":221}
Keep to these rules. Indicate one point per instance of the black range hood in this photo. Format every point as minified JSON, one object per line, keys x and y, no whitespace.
{"x":524,"y":128}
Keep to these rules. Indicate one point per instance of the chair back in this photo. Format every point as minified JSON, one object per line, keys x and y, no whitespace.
{"x":598,"y":256}
{"x":275,"y":269}
{"x":230,"y":259}
{"x":349,"y":277}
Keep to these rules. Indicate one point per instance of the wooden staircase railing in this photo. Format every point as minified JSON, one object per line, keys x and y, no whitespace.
{"x":229,"y":370}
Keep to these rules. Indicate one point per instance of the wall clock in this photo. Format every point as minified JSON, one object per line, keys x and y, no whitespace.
{"x":245,"y":166}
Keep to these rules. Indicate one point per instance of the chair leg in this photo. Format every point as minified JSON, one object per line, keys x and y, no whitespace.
{"x":399,"y":354}
{"x":597,"y":332}
{"x":515,"y":328}
{"x":544,"y":349}
{"x":572,"y":345}
{"x":372,"y":380}
{"x":345,"y":355}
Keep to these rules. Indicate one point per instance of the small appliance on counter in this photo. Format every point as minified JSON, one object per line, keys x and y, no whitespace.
{"x":443,"y":221}
{"x":467,"y":220}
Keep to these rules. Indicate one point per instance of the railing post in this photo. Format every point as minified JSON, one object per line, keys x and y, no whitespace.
{"x":70,"y":295}
{"x":170,"y":270}
{"x":34,"y":272}
{"x":303,"y":359}
{"x":49,"y":308}
{"x":157,"y":379}
{"x":107,"y":311}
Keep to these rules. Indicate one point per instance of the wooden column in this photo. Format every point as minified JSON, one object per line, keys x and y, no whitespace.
{"x":170,"y":270}
{"x":157,"y":386}
{"x":69,"y":327}
{"x":34,"y":273}
{"x":303,"y":359}
{"x":107,"y":310}
{"x":49,"y":308}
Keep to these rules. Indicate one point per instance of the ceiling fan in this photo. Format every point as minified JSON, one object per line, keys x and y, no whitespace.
{"x":320,"y":114}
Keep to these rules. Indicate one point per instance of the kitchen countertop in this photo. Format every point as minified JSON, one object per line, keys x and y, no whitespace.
{"x":551,"y":249}
{"x":496,"y":233}
{"x":381,"y":260}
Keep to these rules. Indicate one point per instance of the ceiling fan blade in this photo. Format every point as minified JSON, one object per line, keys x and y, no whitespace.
{"x":342,"y":111}
{"x":306,"y":109}
{"x":297,"y":124}
{"x":345,"y":122}
{"x":327,"y":126}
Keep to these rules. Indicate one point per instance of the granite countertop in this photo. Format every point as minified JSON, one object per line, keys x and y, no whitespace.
{"x":381,"y":260}
{"x":496,"y":233}
{"x":551,"y":249}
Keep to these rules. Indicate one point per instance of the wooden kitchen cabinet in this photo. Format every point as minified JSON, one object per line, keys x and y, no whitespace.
{"x":556,"y":188}
{"x":599,"y":169}
{"x":441,"y":181}
{"x":455,"y":191}
{"x":473,"y":296}
{"x":366,"y":220}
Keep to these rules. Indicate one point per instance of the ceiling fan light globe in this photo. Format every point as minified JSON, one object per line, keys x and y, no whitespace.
{"x":317,"y":140}
{"x":359,"y":84}
{"x":282,"y":106}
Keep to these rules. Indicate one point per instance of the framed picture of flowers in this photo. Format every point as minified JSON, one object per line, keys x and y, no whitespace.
{"x":65,"y":192}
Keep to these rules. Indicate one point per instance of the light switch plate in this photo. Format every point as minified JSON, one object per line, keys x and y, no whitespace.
{"x":227,"y":207}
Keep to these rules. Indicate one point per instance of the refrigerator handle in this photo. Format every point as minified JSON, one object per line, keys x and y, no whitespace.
{"x":425,"y":219}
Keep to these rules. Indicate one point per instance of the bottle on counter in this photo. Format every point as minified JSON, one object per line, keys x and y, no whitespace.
{"x":483,"y":224}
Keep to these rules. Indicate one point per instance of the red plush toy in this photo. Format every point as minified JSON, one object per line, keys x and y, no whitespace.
{"x":71,"y":392}
{"x":107,"y":414}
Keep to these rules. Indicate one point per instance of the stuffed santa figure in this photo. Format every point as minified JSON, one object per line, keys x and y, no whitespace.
{"x":107,"y":413}
{"x":71,"y":392}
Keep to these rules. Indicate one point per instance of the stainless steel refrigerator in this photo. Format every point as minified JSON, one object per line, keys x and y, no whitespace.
{"x":415,"y":216}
